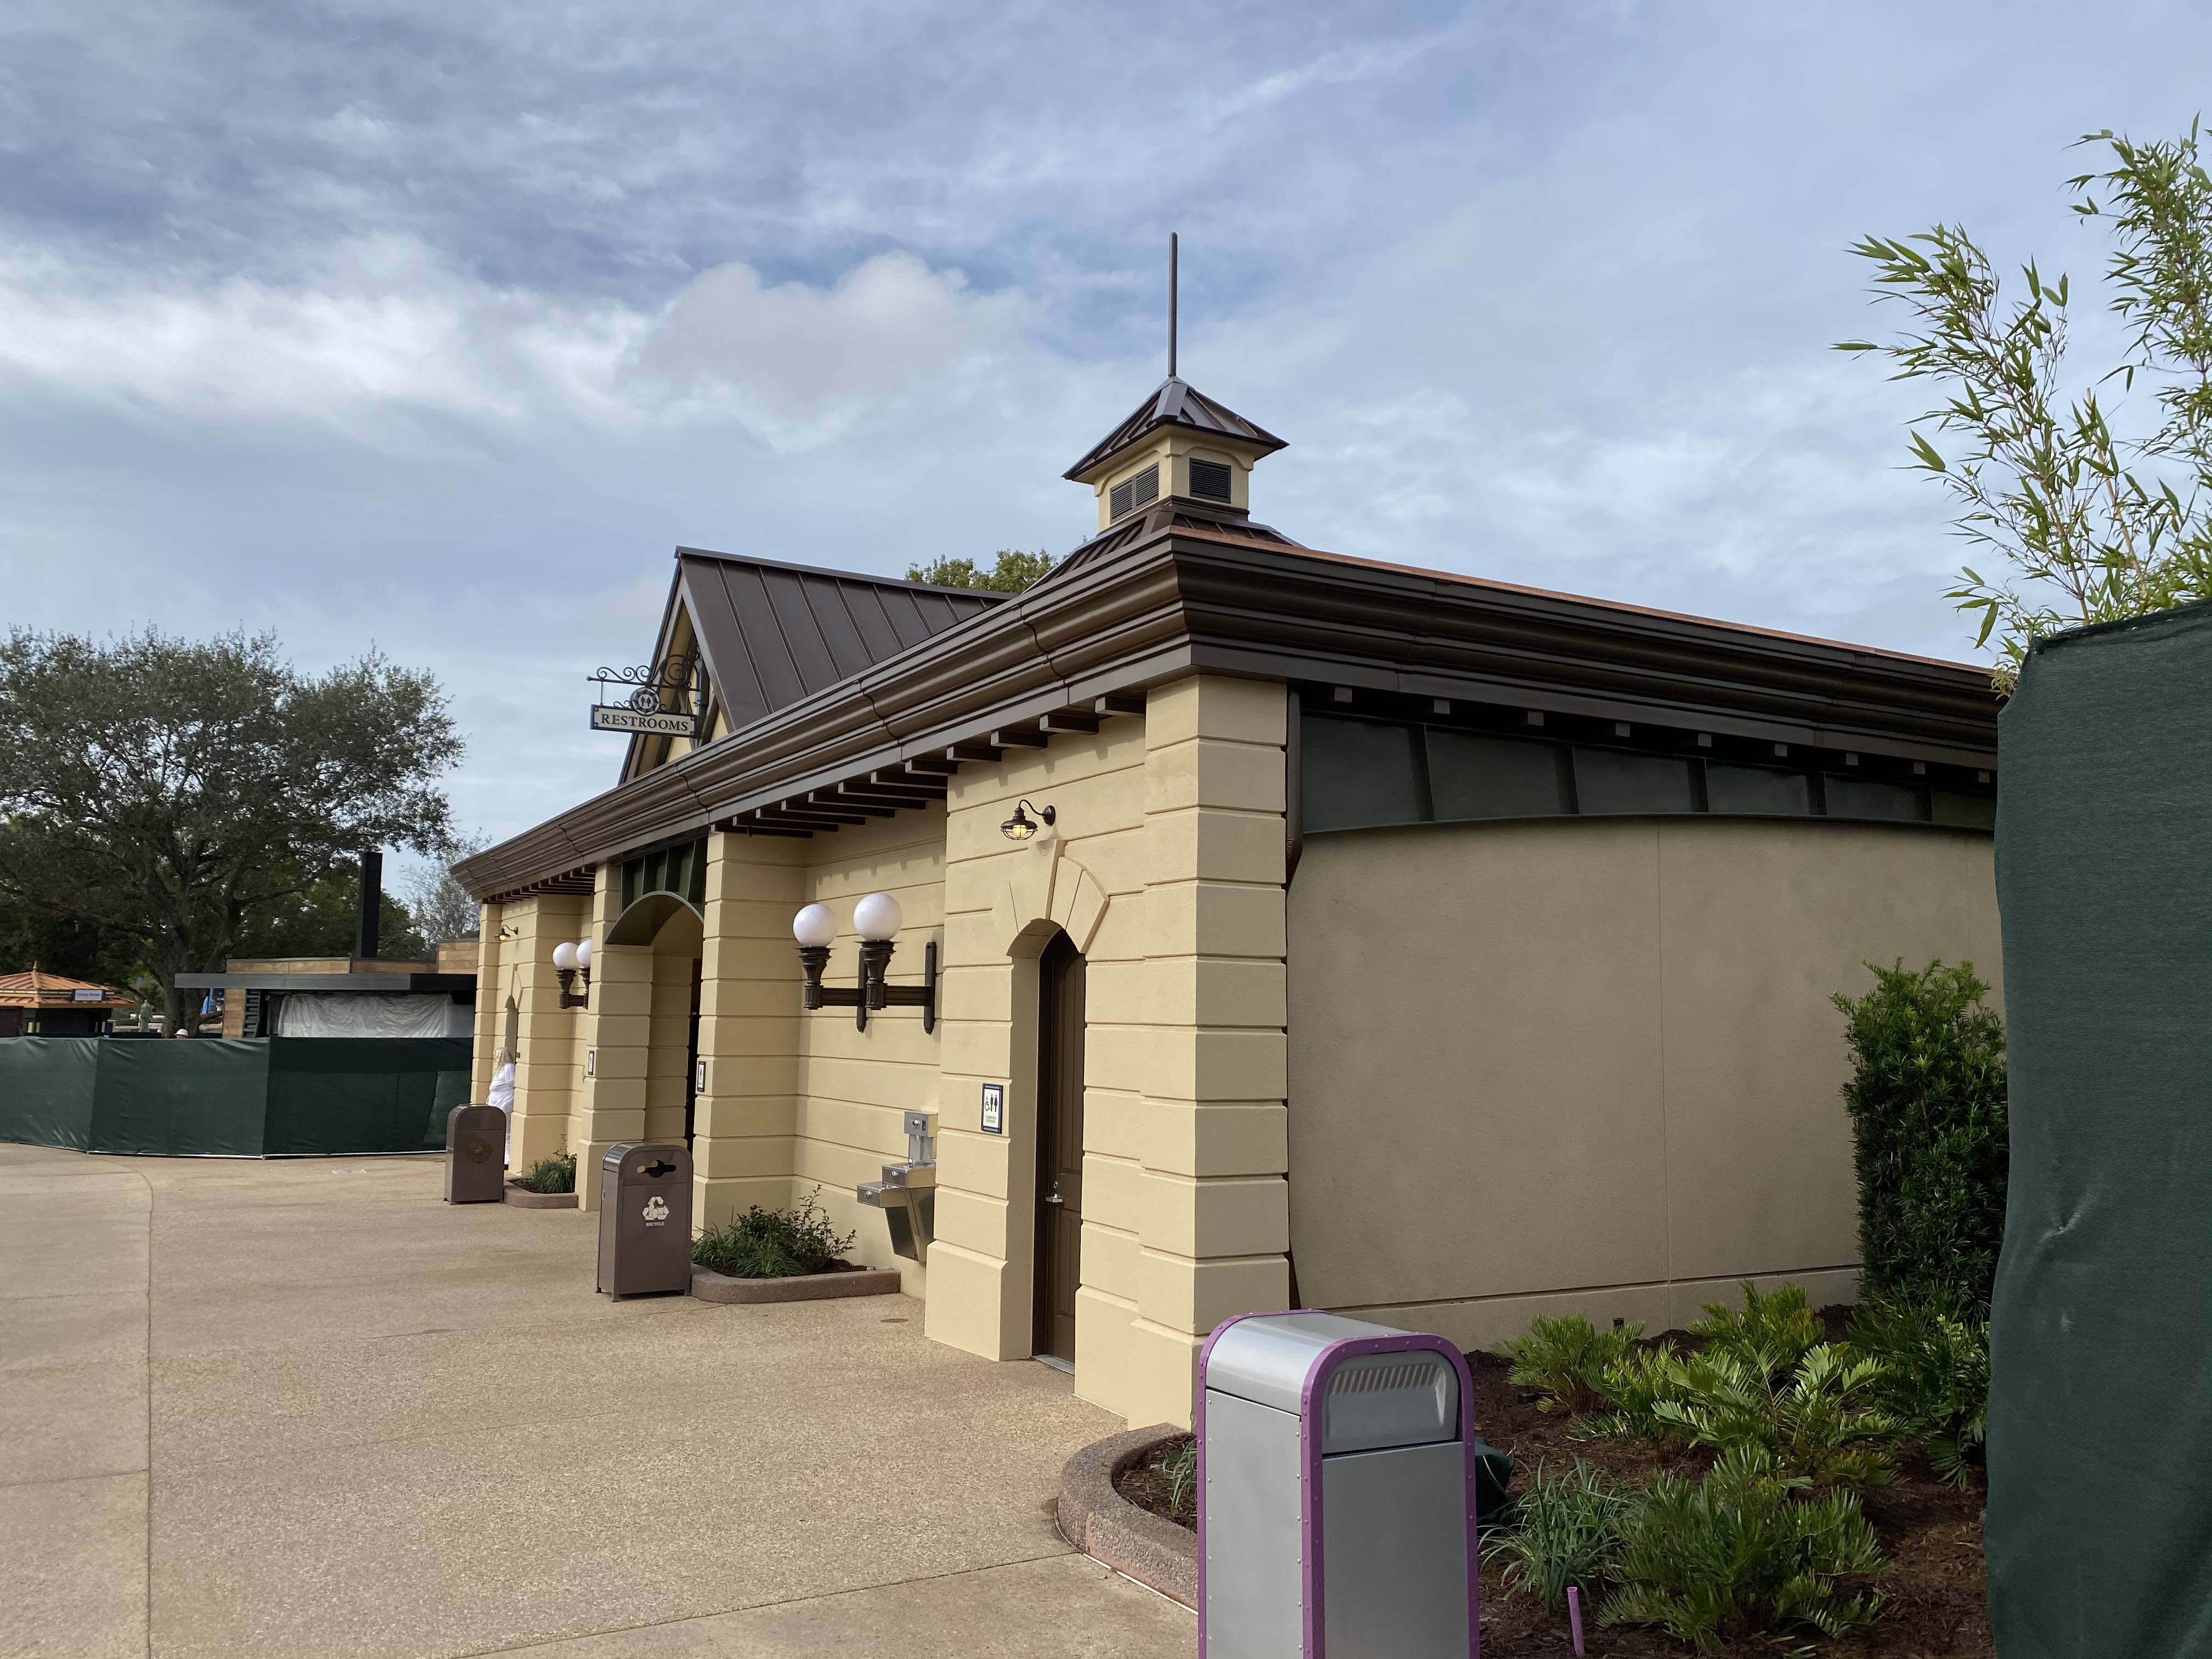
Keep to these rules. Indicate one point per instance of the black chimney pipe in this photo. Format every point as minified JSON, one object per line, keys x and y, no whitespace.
{"x":372,"y":904}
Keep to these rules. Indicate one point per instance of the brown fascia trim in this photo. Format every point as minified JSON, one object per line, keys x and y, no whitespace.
{"x":1321,"y":618}
{"x":1186,"y":599}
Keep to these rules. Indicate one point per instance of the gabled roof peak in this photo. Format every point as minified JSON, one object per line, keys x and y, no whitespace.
{"x":1177,"y":402}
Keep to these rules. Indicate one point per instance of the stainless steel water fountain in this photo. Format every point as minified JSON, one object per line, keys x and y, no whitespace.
{"x":908,"y":1193}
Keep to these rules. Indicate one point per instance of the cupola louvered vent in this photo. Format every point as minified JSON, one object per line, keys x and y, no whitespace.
{"x":1209,"y":480}
{"x":1138,"y":489}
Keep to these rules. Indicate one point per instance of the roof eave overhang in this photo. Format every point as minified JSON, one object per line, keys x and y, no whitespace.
{"x":1174,"y":602}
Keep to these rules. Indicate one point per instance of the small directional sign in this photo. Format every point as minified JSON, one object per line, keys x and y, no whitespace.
{"x":613,"y":717}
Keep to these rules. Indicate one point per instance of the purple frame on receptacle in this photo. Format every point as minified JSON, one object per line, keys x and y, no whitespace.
{"x":1310,"y":1535}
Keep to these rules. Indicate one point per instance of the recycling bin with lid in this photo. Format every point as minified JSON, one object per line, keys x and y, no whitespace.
{"x":645,"y":1218}
{"x":476,"y":1155}
{"x":1337,"y":1467}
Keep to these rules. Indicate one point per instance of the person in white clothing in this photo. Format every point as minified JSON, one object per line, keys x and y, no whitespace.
{"x":502,"y":1096}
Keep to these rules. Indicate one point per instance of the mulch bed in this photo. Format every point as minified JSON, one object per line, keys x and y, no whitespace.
{"x":1932,"y":1533}
{"x":1144,"y":1485}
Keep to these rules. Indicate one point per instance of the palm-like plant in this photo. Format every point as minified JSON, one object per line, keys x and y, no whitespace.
{"x":1770,"y":1332}
{"x":1566,"y":1359}
{"x":1635,"y":1383}
{"x":1820,"y":1425}
{"x":1743,"y":1550}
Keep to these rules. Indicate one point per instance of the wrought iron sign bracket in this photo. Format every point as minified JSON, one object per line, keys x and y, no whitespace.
{"x":667,"y":698}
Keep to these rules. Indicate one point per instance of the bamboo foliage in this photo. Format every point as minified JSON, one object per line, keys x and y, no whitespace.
{"x":2090,"y":526}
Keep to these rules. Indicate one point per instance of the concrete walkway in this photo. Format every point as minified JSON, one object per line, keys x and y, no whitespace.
{"x":304,"y":1410}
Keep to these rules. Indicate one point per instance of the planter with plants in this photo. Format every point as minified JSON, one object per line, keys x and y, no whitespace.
{"x":1775,"y":1475}
{"x":781,"y":1255}
{"x":548,"y":1184}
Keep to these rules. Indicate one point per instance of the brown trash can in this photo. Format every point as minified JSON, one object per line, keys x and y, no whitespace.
{"x":644,"y":1218}
{"x":476,"y":1155}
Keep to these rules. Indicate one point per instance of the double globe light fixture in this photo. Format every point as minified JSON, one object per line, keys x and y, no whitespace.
{"x":569,"y":962}
{"x":876,"y":918}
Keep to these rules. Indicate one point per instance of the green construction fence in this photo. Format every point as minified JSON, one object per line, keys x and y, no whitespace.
{"x":232,"y":1097}
{"x":2100,"y":1396}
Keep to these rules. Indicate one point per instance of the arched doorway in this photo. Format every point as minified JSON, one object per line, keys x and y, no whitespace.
{"x":669,"y":927}
{"x":1059,"y":1271}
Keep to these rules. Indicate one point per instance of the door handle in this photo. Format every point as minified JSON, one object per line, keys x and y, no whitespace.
{"x":1053,"y":1197}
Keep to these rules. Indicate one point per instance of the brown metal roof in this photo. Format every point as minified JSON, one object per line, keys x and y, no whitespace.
{"x":1188,"y":525}
{"x":774,"y":634}
{"x":1177,"y":598}
{"x":1176,"y":404}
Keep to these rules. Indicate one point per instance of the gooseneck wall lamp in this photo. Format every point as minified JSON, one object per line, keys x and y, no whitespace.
{"x":1022,"y":826}
{"x":571,"y":962}
{"x":876,"y":918}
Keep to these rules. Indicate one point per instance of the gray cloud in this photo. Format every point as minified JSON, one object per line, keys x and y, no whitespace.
{"x":439,"y":326}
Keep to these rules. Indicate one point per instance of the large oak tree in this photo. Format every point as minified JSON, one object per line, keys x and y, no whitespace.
{"x":166,"y":790}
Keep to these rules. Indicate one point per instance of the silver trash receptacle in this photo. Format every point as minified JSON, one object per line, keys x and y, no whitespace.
{"x":644,"y":1218}
{"x":1336,"y":1492}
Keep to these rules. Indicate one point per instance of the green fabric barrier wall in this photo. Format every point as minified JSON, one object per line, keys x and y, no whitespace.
{"x":364,"y":1094}
{"x":2100,"y":1403}
{"x":181,"y":1099}
{"x":46,"y":1089}
{"x":252,"y":1097}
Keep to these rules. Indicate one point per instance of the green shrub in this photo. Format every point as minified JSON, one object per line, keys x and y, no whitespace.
{"x":556,"y":1174}
{"x":1936,"y":1380}
{"x":1637,"y":1383}
{"x":1771,"y":1335}
{"x":1566,"y":1357}
{"x":1927,"y":1099}
{"x":1568,"y":1533}
{"x":1822,"y":1424}
{"x":1741,"y":1552}
{"x":772,"y":1243}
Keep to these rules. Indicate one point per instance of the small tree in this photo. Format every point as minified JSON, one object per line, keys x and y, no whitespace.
{"x":2096,"y":526}
{"x":1014,"y":571}
{"x":1927,"y":1099}
{"x":167,"y":791}
{"x":441,"y":908}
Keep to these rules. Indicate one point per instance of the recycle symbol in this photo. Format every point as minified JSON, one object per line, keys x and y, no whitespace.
{"x":656,"y":1208}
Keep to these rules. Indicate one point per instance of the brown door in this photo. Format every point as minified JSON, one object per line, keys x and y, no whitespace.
{"x":1059,"y":1147}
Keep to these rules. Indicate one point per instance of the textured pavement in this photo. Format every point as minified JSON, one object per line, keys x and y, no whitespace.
{"x":303,"y":1408}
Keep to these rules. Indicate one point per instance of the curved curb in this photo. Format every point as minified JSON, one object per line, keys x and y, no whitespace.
{"x":710,"y":1286}
{"x":523,"y":1199}
{"x":1101,"y":1522}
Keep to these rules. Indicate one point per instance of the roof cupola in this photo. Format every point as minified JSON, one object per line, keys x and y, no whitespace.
{"x":1178,"y":444}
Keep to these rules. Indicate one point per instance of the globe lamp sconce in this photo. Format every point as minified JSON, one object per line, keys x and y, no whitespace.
{"x":1022,"y":826}
{"x":876,"y":918}
{"x":570,"y":964}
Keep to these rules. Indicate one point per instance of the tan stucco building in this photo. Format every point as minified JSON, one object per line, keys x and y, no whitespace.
{"x":1401,"y":943}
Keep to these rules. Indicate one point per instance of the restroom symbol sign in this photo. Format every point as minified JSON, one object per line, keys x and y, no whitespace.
{"x":656,"y":1211}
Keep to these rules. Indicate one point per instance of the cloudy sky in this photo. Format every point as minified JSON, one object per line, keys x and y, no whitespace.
{"x":436,"y":327}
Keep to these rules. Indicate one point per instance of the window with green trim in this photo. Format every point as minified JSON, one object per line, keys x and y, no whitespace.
{"x":1366,"y":774}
